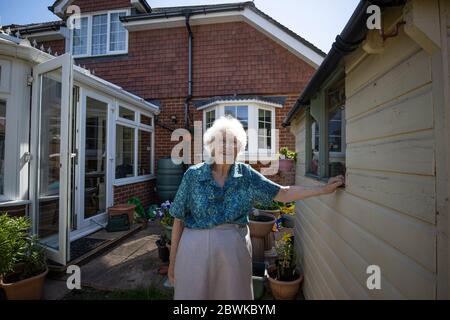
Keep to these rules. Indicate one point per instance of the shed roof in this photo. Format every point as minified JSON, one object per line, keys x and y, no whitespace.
{"x":349,"y":40}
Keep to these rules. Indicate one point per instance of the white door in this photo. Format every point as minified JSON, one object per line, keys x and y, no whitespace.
{"x":50,"y":155}
{"x":93,"y":183}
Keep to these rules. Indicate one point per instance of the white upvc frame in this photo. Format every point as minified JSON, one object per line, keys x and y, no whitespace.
{"x":89,"y":35}
{"x":64,"y":62}
{"x":254,"y":153}
{"x":100,"y":219}
{"x":136,"y":125}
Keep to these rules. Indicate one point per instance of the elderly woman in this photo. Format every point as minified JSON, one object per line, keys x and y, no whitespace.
{"x":211,"y":256}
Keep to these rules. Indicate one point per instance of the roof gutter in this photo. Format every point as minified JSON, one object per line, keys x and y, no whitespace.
{"x":349,"y":40}
{"x":203,"y":10}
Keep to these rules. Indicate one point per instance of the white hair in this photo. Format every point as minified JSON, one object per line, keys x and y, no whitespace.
{"x":224,"y":126}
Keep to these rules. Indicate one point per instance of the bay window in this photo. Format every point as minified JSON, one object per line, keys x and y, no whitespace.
{"x":258,"y":121}
{"x":100,"y":34}
{"x":134,"y":154}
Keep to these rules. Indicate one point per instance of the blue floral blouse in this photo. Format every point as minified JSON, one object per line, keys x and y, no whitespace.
{"x":202,"y":204}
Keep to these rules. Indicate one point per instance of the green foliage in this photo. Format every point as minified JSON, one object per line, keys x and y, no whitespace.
{"x":140,"y":211}
{"x":17,"y":246}
{"x":285,"y":153}
{"x":286,"y":268}
{"x":275,"y":205}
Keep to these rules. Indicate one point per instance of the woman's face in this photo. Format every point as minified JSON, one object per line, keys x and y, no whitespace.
{"x":225,"y":149}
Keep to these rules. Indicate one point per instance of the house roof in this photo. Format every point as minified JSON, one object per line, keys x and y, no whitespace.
{"x":273,"y":100}
{"x":170,"y":12}
{"x":32,"y":28}
{"x":348,"y":41}
{"x":64,"y":3}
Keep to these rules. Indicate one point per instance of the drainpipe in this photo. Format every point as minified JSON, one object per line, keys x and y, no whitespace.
{"x":189,"y":95}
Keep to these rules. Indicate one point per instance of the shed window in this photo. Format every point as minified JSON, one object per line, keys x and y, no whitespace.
{"x":325,"y":132}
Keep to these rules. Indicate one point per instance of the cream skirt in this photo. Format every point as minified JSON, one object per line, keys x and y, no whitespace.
{"x":214,"y":264}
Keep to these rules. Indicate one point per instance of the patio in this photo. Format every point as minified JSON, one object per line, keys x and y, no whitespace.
{"x":129,"y":270}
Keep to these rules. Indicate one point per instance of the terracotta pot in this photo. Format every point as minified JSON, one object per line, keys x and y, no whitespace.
{"x":260,"y":229}
{"x":286,"y":165}
{"x":123,"y":209}
{"x":284,"y":290}
{"x":28,"y":289}
{"x":273,"y":213}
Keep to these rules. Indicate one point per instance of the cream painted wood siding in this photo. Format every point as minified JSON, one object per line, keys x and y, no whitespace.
{"x":386,"y":215}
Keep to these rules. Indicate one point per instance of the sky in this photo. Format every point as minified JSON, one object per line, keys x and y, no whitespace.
{"x":318,"y":21}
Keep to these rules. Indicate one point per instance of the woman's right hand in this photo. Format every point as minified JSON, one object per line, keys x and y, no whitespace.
{"x":171,"y":273}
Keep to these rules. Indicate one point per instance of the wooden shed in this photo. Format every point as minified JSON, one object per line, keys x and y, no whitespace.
{"x":377,"y":110}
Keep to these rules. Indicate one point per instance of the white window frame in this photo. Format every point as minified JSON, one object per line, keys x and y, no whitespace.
{"x":343,"y":144}
{"x":89,"y":36}
{"x":253,"y":153}
{"x":5,"y":76}
{"x":136,"y":125}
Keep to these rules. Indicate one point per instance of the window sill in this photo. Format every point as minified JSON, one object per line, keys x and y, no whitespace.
{"x":109,"y":55}
{"x":319,"y":181}
{"x":133,"y":180}
{"x":10,"y":203}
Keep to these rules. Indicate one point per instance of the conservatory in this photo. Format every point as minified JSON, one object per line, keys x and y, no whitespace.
{"x":67,"y":138}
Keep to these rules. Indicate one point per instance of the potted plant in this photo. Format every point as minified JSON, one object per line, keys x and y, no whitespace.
{"x":287,"y":159}
{"x":260,"y":225}
{"x":287,"y":213}
{"x":23,"y":265}
{"x":140,"y":215}
{"x":284,"y":279}
{"x":165,"y":218}
{"x":272,"y":209}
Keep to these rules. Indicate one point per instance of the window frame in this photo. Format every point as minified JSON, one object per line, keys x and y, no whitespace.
{"x":322,"y":111}
{"x":253,"y":153}
{"x":136,"y":125}
{"x":108,"y":35}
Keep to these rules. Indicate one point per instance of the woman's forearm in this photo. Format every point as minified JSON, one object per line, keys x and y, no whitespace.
{"x":296,"y":193}
{"x":177,"y":230}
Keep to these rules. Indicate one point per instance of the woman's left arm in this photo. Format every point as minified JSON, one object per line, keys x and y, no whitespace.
{"x":295,"y":193}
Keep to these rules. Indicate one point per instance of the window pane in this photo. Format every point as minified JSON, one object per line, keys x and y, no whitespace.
{"x":240,"y":113}
{"x":2,"y":144}
{"x":49,"y":155}
{"x":146,"y":120}
{"x":335,"y":131}
{"x":314,"y":165}
{"x":264,"y":129}
{"x":144,"y":153}
{"x":210,"y":118}
{"x":99,"y":34}
{"x":126,"y":113}
{"x":80,"y":38}
{"x":95,"y":158}
{"x":117,"y":33}
{"x":124,"y":152}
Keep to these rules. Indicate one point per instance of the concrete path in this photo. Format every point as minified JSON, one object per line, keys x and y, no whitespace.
{"x":132,"y":264}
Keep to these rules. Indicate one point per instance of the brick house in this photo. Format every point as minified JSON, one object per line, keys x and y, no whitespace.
{"x":190,"y":64}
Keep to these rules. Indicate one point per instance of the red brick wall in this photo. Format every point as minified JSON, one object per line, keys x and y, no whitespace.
{"x":229,"y":58}
{"x":56,"y":46}
{"x":99,"y":5}
{"x":143,"y":190}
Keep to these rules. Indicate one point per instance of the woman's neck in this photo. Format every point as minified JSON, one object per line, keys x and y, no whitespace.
{"x":221,"y":169}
